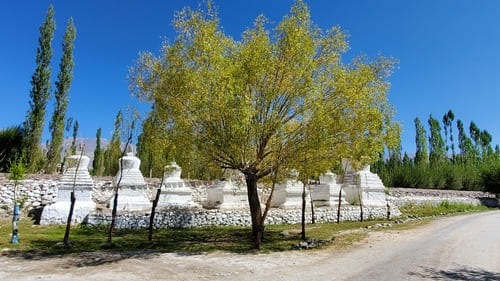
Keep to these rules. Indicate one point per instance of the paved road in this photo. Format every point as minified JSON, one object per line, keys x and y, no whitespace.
{"x":454,"y":248}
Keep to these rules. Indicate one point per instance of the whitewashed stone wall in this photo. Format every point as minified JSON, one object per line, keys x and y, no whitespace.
{"x":203,"y":217}
{"x":403,"y":196}
{"x":41,"y":190}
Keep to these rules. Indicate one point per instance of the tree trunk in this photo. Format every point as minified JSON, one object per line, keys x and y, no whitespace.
{"x":113,"y":217}
{"x":338,"y":207}
{"x":115,"y":200}
{"x":313,"y":219}
{"x":70,"y":217}
{"x":72,"y":200}
{"x":360,"y":208}
{"x":15,"y":218}
{"x":152,"y":216}
{"x":388,"y":211}
{"x":255,"y":210}
{"x":303,"y":234}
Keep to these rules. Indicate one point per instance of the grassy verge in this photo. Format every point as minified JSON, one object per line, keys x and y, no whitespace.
{"x":203,"y":239}
{"x":445,"y":207}
{"x":44,"y":239}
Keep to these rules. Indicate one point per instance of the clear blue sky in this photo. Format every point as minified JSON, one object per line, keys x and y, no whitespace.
{"x":449,"y":53}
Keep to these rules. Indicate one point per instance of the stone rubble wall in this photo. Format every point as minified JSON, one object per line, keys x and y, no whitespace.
{"x":31,"y":193}
{"x":241,"y":217}
{"x":403,"y":196}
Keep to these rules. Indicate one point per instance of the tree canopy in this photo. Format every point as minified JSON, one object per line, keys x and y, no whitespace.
{"x":268,"y":99}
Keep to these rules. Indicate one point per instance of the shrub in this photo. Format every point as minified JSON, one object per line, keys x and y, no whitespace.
{"x":490,"y":177}
{"x":11,"y":145}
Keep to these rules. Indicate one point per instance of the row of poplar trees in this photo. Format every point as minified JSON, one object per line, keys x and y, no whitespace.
{"x":24,"y":142}
{"x":33,"y":154}
{"x":441,"y":161}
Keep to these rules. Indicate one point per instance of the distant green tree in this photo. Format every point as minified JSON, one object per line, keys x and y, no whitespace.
{"x":113,"y":152}
{"x":446,"y":122}
{"x":98,"y":162}
{"x":11,"y":146}
{"x":67,"y":129}
{"x":63,"y":84}
{"x":485,"y":140}
{"x":448,"y":130}
{"x":421,"y":155}
{"x":475,"y":134}
{"x":451,"y":118}
{"x":75,"y":134}
{"x":152,"y":147}
{"x":395,"y":155}
{"x":39,"y":94}
{"x":437,"y":150}
{"x":468,"y":151}
{"x":406,"y":160}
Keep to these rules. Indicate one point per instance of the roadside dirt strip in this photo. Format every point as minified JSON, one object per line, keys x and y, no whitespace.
{"x":463,"y":247}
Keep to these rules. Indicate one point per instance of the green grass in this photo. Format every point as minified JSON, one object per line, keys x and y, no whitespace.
{"x":43,"y":239}
{"x":445,"y":207}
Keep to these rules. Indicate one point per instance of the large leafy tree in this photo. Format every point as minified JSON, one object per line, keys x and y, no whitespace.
{"x":270,"y":100}
{"x":63,"y":84}
{"x":40,"y":92}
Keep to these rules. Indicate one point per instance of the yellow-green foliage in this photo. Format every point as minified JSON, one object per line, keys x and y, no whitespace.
{"x":279,"y":97}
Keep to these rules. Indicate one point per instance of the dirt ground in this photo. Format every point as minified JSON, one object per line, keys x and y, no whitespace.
{"x":463,"y":247}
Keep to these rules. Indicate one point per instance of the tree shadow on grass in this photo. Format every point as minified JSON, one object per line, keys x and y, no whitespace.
{"x":89,"y":246}
{"x":458,"y":273}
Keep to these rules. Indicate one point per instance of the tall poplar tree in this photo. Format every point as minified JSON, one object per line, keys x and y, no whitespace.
{"x":467,"y":149}
{"x":98,"y":162}
{"x":451,"y":118}
{"x":421,"y":155}
{"x":437,"y":150}
{"x":63,"y":84}
{"x":475,"y":134}
{"x":75,"y":134}
{"x":113,"y":151}
{"x":485,"y":139}
{"x":40,"y":92}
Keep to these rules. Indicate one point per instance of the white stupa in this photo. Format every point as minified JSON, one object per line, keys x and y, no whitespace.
{"x":327,"y":192}
{"x":57,"y":213}
{"x":364,"y":183}
{"x":372,"y":188}
{"x":175,"y":193}
{"x":288,"y":194}
{"x":132,"y":191}
{"x":227,"y":194}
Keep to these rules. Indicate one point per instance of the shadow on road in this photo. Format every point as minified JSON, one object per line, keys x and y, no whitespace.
{"x":84,"y":259}
{"x":459,"y":273}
